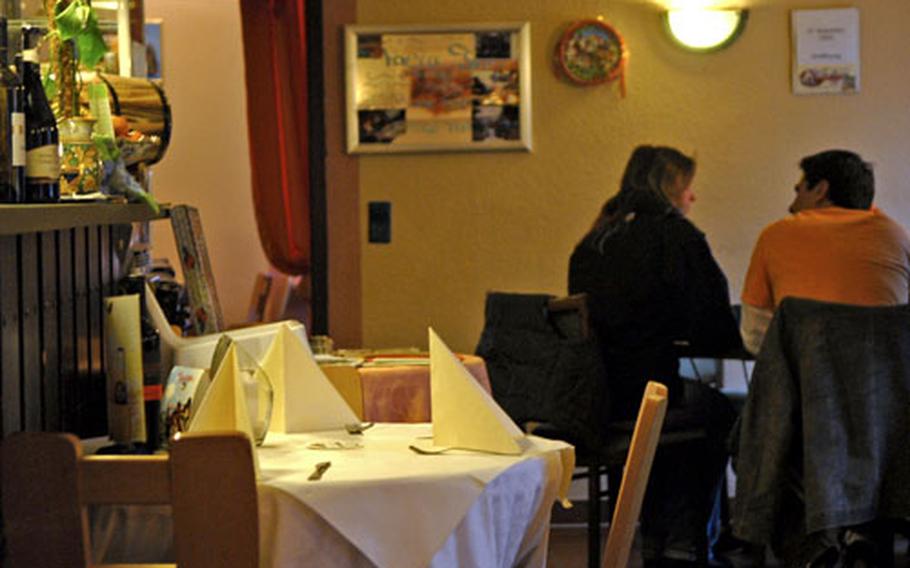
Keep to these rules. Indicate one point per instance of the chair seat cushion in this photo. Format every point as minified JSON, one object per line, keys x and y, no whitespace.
{"x":679,"y":426}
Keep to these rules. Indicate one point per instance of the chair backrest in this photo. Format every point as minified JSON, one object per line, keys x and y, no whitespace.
{"x":208,"y":479}
{"x":544,"y":365}
{"x":277,"y":296}
{"x":835,"y":377}
{"x":262,"y":288}
{"x":570,"y":314}
{"x":635,"y":475}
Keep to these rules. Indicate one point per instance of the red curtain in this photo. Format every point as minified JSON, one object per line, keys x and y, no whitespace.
{"x":274,"y":48}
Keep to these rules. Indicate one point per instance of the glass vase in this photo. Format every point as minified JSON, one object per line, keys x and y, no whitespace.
{"x":258,"y":392}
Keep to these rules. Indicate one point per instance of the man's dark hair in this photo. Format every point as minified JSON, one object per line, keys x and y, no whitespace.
{"x":851,"y":183}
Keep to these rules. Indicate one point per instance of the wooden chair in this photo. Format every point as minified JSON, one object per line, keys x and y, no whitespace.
{"x":635,"y":475}
{"x":571,"y":315}
{"x":208,"y":479}
{"x":277,"y":297}
{"x":262,"y":288}
{"x":567,"y":319}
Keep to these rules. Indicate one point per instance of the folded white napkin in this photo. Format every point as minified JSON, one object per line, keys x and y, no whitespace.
{"x":464,"y":414}
{"x":224,"y":405}
{"x":305,"y":399}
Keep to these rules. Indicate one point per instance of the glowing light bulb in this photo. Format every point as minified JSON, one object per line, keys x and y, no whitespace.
{"x":705,"y":29}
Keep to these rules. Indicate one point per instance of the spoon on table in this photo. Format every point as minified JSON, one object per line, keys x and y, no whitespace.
{"x":423,"y":452}
{"x":358,"y":427}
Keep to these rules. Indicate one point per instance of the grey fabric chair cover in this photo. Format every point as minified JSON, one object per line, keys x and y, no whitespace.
{"x":825,"y":431}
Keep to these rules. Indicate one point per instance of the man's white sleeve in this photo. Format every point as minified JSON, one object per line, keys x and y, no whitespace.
{"x":753,"y":325}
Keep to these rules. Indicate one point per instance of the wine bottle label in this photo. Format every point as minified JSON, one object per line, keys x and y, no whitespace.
{"x":17,"y":132}
{"x":43,"y":162}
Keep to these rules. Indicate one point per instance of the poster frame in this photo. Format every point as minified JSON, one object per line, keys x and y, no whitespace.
{"x":503,"y":124}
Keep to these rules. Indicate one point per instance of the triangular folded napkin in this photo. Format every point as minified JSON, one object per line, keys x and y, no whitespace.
{"x":305,"y":400}
{"x":224,"y":406}
{"x":464,"y":415}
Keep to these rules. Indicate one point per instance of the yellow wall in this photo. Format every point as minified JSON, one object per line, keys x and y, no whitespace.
{"x":463,"y":224}
{"x":467,"y":223}
{"x":207,"y":164}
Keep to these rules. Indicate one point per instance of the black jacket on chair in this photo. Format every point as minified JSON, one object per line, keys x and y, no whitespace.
{"x":541,"y":373}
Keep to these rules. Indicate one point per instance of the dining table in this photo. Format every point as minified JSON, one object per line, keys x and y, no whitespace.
{"x":391,"y":387}
{"x":338,"y":499}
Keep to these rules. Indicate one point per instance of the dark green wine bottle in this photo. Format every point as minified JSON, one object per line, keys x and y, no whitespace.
{"x":42,"y":141}
{"x":12,"y":127}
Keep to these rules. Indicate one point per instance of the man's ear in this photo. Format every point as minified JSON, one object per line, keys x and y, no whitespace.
{"x":820,"y":191}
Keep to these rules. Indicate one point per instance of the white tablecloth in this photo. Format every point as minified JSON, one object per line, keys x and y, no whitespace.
{"x":384,"y":505}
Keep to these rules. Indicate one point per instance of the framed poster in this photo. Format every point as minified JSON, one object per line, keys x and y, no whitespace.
{"x":438,"y":88}
{"x":153,"y":49}
{"x":825,"y":51}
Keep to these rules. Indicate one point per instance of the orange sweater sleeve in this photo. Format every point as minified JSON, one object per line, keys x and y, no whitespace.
{"x":757,"y":290}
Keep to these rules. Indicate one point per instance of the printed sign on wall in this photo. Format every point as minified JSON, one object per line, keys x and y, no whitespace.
{"x":825,"y":51}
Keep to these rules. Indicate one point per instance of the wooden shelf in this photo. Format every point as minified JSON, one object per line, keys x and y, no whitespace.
{"x":27,"y":218}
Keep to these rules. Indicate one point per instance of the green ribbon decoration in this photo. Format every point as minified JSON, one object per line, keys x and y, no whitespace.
{"x":78,"y":22}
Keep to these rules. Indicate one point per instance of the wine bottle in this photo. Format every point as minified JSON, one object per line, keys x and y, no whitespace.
{"x":42,"y":142}
{"x":12,"y":127}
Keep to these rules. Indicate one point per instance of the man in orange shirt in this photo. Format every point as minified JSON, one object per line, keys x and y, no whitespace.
{"x":835,"y":247}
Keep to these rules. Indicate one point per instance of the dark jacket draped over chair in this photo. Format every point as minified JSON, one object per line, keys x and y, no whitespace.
{"x":827,"y":421}
{"x":542,"y":372}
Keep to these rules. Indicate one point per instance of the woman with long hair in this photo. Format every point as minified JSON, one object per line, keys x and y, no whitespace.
{"x":653,"y":286}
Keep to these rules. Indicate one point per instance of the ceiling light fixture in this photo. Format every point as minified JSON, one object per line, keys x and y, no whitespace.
{"x":705,"y":30}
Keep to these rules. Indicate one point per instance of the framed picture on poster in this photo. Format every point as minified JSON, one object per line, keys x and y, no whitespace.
{"x":461,"y":87}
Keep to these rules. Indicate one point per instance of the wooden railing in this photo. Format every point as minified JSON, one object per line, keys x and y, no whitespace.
{"x":57,"y":263}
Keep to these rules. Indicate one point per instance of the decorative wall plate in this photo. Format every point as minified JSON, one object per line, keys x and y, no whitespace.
{"x":591,"y":52}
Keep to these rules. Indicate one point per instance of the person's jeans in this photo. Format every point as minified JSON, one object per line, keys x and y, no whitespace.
{"x":715,"y":520}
